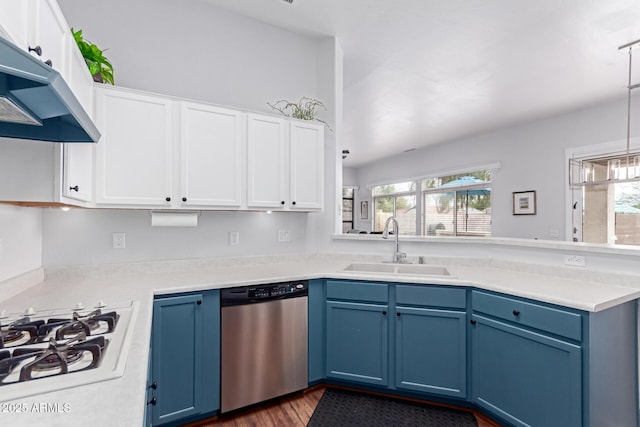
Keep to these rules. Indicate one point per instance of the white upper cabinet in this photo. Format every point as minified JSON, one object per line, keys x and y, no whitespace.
{"x":266,"y":162}
{"x":77,"y":181}
{"x":50,"y":32}
{"x":285,"y":164}
{"x":134,"y":155}
{"x":307,"y":166}
{"x":14,"y":20}
{"x":39,"y":25}
{"x":210,"y":156}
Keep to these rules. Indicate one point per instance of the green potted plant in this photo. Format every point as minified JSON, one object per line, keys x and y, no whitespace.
{"x":99,"y":66}
{"x":305,"y":109}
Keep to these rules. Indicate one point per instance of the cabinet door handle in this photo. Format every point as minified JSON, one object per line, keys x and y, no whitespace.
{"x":282,"y":202}
{"x":37,"y":50}
{"x":74,"y":188}
{"x":293,"y":203}
{"x":384,"y":312}
{"x":198,"y":302}
{"x":168,"y":199}
{"x":49,"y":62}
{"x":184,"y":199}
{"x":516,"y":313}
{"x":153,"y":401}
{"x":473,"y":322}
{"x":398,"y":314}
{"x":154,"y":385}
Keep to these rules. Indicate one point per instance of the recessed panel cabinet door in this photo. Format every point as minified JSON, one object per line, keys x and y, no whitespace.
{"x":267,"y":162}
{"x":78,"y":172}
{"x":431,"y":351}
{"x":307,"y":166}
{"x":211,"y":156}
{"x":357,"y":342}
{"x":14,"y":20}
{"x":134,"y":155}
{"x":527,"y":378}
{"x":177,"y":357}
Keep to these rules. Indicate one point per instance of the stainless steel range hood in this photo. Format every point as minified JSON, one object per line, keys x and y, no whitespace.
{"x":36,"y":102}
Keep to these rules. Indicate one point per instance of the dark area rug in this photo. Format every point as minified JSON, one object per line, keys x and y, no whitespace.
{"x":339,"y":407}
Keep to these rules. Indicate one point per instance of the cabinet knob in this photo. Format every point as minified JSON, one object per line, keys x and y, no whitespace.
{"x":282,"y":202}
{"x":293,"y":203}
{"x":199,"y":302}
{"x":384,"y":312}
{"x":49,"y":62}
{"x":153,"y":401}
{"x":168,"y":199}
{"x":74,"y":188}
{"x":473,"y":322}
{"x":516,"y":313}
{"x":154,"y":385}
{"x":37,"y":50}
{"x":398,"y":314}
{"x":184,"y":199}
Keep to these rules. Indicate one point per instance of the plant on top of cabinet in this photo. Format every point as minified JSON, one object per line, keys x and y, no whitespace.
{"x":305,"y":109}
{"x":99,"y":66}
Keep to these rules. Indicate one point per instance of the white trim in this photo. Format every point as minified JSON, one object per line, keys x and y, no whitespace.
{"x":446,"y":172}
{"x":594,"y":150}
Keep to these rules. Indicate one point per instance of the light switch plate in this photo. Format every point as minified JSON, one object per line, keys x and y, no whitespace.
{"x":234,"y":238}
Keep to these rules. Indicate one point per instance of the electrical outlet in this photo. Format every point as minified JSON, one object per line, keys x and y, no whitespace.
{"x":119,"y":241}
{"x":575,"y":260}
{"x":554,"y":234}
{"x":284,"y":236}
{"x":234,"y":238}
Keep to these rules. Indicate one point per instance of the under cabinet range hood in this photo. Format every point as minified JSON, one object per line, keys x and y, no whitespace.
{"x":36,"y":102}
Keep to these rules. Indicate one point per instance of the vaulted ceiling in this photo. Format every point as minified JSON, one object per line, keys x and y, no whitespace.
{"x":421,"y":72}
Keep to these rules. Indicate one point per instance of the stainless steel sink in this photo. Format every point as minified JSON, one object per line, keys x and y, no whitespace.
{"x":408,"y":269}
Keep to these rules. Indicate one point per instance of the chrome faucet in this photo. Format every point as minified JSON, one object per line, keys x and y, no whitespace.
{"x":398,"y":257}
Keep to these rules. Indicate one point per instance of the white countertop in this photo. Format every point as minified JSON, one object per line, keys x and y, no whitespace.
{"x":120,"y":401}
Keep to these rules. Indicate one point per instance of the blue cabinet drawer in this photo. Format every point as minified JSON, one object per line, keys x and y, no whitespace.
{"x":357,"y":291}
{"x":432,"y":296}
{"x":552,"y":320}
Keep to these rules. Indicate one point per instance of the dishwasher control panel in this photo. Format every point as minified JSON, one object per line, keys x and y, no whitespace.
{"x":258,"y":293}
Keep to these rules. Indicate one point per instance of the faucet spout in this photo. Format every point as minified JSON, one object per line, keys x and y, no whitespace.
{"x":398,"y":257}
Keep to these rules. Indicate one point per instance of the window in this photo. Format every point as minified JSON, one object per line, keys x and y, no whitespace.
{"x":347,"y":209}
{"x":398,"y":200}
{"x":457,"y":205}
{"x":610,"y":211}
{"x":453,"y":205}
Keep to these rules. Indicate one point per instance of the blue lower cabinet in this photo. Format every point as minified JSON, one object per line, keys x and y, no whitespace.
{"x":431,"y":351}
{"x":185,"y":356}
{"x":524,"y":377}
{"x":357,"y":342}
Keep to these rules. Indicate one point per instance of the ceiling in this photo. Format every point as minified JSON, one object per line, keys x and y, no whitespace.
{"x":422,"y":72}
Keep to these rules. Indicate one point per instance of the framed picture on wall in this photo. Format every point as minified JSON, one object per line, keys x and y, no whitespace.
{"x":524,"y":202}
{"x":364,"y":210}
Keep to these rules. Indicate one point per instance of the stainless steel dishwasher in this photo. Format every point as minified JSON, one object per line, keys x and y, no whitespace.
{"x":264,"y":342}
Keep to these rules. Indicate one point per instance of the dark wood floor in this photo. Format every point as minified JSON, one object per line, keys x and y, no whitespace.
{"x":294,"y":410}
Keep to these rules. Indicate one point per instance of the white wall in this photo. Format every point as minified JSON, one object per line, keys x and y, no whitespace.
{"x":194,"y":50}
{"x":21,"y":234}
{"x":83,"y":236}
{"x":532,"y":157}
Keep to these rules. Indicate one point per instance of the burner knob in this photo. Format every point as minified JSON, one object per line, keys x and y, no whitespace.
{"x":4,"y":314}
{"x":78,"y":306}
{"x":30,"y":311}
{"x":100,"y":304}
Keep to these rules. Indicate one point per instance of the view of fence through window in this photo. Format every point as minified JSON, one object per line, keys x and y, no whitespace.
{"x":454,"y":205}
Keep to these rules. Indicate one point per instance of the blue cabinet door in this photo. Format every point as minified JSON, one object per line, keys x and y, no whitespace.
{"x":357,"y":342}
{"x":431,"y":351}
{"x":524,"y":377}
{"x":177,"y":357}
